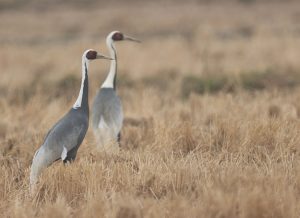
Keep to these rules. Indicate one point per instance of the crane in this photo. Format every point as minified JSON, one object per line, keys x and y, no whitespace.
{"x":65,"y":137}
{"x":107,"y":112}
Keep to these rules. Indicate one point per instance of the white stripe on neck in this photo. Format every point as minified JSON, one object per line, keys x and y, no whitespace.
{"x":79,"y":99}
{"x":109,"y":81}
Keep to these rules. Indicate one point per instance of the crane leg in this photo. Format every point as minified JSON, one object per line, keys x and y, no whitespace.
{"x":119,"y":137}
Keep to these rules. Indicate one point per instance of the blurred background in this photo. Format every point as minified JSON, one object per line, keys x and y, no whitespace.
{"x":210,"y":46}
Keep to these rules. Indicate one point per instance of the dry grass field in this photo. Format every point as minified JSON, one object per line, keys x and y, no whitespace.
{"x":211,"y":101}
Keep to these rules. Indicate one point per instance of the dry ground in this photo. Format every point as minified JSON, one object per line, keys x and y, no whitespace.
{"x":211,"y":100}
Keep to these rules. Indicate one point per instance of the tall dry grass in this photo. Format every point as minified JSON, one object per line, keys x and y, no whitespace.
{"x":211,"y":102}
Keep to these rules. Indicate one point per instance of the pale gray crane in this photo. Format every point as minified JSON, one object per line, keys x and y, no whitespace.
{"x":65,"y":137}
{"x":107,"y":113}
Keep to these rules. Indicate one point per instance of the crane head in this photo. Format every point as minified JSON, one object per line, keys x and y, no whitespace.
{"x":91,"y":54}
{"x":118,"y":36}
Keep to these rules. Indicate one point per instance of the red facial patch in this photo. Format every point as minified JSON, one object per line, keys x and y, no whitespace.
{"x":91,"y":55}
{"x":118,"y":36}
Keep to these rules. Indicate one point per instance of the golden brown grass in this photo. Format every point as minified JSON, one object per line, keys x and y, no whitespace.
{"x":223,"y":152}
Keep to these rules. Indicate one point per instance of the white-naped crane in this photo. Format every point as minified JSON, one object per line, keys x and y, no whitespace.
{"x":65,"y":137}
{"x":107,"y":112}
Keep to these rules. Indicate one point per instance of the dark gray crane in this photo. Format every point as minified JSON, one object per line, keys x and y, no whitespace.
{"x":65,"y":137}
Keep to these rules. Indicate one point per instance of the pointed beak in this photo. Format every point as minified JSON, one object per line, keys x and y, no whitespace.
{"x":131,"y":39}
{"x":100,"y":56}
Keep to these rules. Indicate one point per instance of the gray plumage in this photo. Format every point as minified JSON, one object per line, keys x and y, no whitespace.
{"x":68,"y":132}
{"x":65,"y":137}
{"x":107,"y":116}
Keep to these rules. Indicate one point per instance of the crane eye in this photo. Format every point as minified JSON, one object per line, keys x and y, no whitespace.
{"x":118,"y":36}
{"x":91,"y":55}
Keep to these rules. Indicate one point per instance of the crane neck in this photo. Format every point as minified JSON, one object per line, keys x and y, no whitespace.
{"x":110,"y":81}
{"x":82,"y":100}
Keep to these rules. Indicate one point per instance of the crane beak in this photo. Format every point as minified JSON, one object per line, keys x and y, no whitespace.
{"x":100,"y":56}
{"x":131,"y":39}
